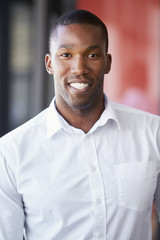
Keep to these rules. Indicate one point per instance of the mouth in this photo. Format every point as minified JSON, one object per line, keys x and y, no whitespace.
{"x":79,"y":86}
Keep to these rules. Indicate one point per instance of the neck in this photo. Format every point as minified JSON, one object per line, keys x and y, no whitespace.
{"x":82,"y":119}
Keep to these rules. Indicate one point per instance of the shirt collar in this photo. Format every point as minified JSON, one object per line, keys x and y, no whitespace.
{"x":55,"y":121}
{"x":110,"y":111}
{"x":107,"y":115}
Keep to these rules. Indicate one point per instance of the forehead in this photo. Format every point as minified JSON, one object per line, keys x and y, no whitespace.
{"x":78,"y":34}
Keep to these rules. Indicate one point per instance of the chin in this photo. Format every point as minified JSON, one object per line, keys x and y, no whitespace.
{"x":82,"y":106}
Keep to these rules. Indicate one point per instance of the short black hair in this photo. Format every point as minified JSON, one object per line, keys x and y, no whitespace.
{"x":78,"y":16}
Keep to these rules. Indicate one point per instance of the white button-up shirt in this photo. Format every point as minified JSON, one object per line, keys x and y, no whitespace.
{"x":58,"y":183}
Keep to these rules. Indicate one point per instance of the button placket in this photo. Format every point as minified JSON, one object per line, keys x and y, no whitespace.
{"x":97,"y":188}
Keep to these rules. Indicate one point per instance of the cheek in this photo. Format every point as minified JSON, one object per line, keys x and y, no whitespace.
{"x":61,"y":72}
{"x":59,"y":81}
{"x":99,"y":72}
{"x":99,"y":68}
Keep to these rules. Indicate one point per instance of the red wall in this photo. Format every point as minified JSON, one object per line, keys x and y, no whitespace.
{"x":134,"y":42}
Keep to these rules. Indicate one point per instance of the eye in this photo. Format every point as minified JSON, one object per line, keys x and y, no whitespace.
{"x":93,"y":55}
{"x":65,"y":55}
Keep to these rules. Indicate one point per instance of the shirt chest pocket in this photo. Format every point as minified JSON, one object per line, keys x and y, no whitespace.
{"x":136,"y":182}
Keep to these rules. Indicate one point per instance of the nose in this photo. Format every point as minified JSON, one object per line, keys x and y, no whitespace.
{"x":79,"y":66}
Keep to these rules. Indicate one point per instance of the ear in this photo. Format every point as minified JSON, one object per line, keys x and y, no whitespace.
{"x":48,"y":63}
{"x":109,"y":61}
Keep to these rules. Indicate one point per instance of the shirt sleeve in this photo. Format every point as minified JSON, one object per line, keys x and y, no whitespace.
{"x":157,"y":197}
{"x":11,"y":205}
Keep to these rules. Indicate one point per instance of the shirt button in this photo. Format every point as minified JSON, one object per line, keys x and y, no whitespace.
{"x":98,"y":201}
{"x":99,"y":234}
{"x":93,"y":168}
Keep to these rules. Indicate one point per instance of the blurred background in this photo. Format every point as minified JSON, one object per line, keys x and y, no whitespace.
{"x":134,"y":42}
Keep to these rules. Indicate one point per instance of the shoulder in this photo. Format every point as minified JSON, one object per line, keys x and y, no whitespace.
{"x":32,"y":128}
{"x":124,"y":109}
{"x":128,"y":115}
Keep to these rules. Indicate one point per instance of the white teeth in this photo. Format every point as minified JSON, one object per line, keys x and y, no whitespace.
{"x":79,"y":85}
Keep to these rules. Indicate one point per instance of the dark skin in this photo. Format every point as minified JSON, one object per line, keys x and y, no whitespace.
{"x":78,"y":62}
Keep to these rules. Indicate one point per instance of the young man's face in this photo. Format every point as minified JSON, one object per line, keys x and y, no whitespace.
{"x":78,"y":62}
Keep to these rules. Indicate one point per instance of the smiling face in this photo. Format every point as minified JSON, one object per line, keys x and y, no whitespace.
{"x":78,"y":62}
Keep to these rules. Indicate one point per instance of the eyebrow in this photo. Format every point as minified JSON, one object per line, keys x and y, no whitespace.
{"x":64,"y":46}
{"x":92,"y":47}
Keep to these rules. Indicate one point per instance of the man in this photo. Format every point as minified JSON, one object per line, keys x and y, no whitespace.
{"x":85,"y":168}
